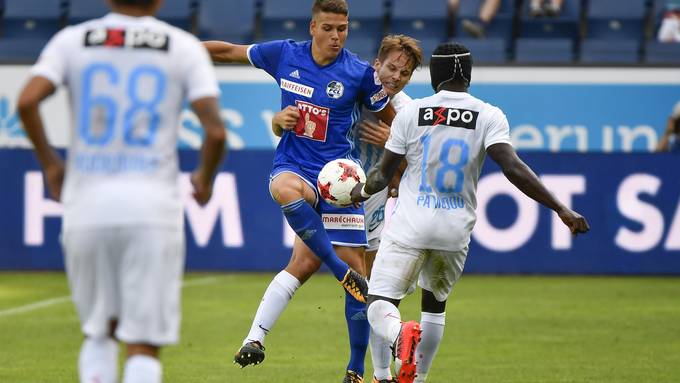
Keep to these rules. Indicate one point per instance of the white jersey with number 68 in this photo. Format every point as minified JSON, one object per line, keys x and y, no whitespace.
{"x":444,"y":138}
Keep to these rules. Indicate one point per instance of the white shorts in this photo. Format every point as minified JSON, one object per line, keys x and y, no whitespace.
{"x":397,"y":267}
{"x":374,"y":211}
{"x":132,"y":274}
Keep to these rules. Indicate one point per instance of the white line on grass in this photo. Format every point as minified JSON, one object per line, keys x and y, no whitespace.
{"x":59,"y":300}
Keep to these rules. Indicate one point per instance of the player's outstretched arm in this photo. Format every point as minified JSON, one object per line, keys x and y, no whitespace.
{"x":519,"y":173}
{"x":213,"y":148}
{"x":37,"y":90}
{"x":225,"y":52}
{"x":378,"y":177}
{"x":386,"y":114}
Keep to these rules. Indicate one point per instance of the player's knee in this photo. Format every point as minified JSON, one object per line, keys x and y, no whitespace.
{"x":142,"y":349}
{"x":286,"y":189}
{"x":430,"y":304}
{"x":375,"y":298}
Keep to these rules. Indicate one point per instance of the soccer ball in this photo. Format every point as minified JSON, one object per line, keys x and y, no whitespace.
{"x":337,"y":179}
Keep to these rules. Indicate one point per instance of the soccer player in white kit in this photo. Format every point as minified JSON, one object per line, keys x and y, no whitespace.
{"x":127,"y":75}
{"x":444,"y":138}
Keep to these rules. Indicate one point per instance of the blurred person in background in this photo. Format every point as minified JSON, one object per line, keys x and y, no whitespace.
{"x":327,"y":86}
{"x":669,"y":30}
{"x":543,"y":8}
{"x":477,"y":28}
{"x":670,"y":141}
{"x":127,"y":75}
{"x":445,"y":139}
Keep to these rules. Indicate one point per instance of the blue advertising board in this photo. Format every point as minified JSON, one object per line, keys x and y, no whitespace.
{"x":632,"y":202}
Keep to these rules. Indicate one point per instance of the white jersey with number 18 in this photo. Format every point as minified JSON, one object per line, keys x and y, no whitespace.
{"x":127,"y":78}
{"x":444,"y":138}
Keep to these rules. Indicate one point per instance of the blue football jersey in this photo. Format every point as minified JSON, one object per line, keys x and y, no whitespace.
{"x":329,"y":98}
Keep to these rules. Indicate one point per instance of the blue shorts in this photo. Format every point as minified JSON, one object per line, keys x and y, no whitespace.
{"x":344,"y":225}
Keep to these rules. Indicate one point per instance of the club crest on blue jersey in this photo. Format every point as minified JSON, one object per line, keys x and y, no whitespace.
{"x":335,"y":89}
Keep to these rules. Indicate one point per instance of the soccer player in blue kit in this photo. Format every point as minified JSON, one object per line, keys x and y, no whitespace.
{"x":329,"y":85}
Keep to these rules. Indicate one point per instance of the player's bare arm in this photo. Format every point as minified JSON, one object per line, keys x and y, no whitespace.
{"x":663,"y":142}
{"x":37,"y":90}
{"x":285,"y":119}
{"x":519,"y":173}
{"x":213,"y":148}
{"x":386,"y":114}
{"x":379,"y":177}
{"x":225,"y":52}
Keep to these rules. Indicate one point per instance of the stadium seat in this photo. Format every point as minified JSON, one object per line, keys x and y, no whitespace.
{"x":365,"y":47}
{"x":615,"y":19}
{"x":177,"y":13}
{"x":217,"y":20}
{"x":366,"y":18}
{"x":662,"y":53}
{"x":21,"y":50}
{"x":486,"y":51}
{"x":82,"y":10}
{"x":286,"y":19}
{"x":596,"y":51}
{"x":500,"y":27}
{"x":564,"y":26}
{"x":544,"y":51}
{"x":31,"y":19}
{"x":422,"y":19}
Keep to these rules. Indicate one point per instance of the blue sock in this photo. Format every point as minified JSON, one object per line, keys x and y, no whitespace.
{"x":359,"y":330}
{"x":308,"y":226}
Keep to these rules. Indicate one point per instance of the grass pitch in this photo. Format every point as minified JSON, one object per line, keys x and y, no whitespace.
{"x":499,"y":329}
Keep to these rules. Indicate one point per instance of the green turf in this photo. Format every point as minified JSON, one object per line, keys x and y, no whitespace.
{"x":499,"y":329}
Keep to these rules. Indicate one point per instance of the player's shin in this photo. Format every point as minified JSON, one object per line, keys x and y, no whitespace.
{"x":380,"y":356}
{"x":306,"y":223}
{"x":359,"y":329}
{"x":385,"y":320}
{"x":432,"y":325}
{"x":274,"y":301}
{"x":98,"y":360}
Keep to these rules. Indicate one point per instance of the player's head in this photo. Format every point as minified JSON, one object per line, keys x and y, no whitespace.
{"x":329,"y":26}
{"x":398,"y":57}
{"x":451,"y":67}
{"x":147,"y":5}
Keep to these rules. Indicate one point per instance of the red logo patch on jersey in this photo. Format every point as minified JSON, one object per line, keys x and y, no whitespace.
{"x":313,"y":121}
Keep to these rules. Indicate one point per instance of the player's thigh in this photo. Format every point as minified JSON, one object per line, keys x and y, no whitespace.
{"x":151,"y":281}
{"x":92,"y":267}
{"x":395,"y":270}
{"x":353,"y":256}
{"x":441,"y":271}
{"x":303,"y":263}
{"x":287,"y":186}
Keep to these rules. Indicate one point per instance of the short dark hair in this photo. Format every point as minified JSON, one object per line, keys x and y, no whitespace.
{"x":403,"y":43}
{"x":138,"y":3}
{"x":331,"y":6}
{"x":450,"y":62}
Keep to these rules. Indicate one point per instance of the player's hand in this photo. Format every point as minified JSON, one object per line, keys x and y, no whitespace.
{"x":574,"y":221}
{"x":286,"y":119}
{"x":54,"y":178}
{"x":202,"y":187}
{"x":374,"y":133}
{"x":357,"y":198}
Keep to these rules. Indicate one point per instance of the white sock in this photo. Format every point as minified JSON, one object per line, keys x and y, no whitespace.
{"x":274,"y":301}
{"x":432,"y":326}
{"x":143,"y":369}
{"x":385,"y":320}
{"x":380,"y":356}
{"x":98,"y":360}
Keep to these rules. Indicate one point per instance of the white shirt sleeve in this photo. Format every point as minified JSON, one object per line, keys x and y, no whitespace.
{"x":396,"y":143}
{"x":498,"y":130}
{"x":53,"y":59}
{"x":669,"y":32}
{"x":199,"y":74}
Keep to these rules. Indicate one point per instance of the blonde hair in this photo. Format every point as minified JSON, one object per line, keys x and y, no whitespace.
{"x":403,"y":43}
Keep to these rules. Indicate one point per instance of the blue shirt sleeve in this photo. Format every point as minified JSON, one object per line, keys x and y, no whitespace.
{"x":266,"y":56}
{"x":374,"y":96}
